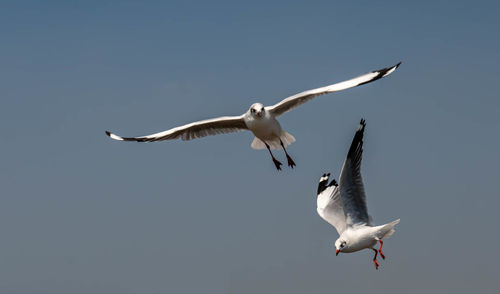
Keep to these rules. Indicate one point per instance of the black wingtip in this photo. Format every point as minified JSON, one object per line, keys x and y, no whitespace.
{"x":362,"y":125}
{"x":323,"y":183}
{"x":357,"y":142}
{"x":333,"y":183}
{"x":381,"y":73}
{"x":324,"y":177}
{"x":108,"y":133}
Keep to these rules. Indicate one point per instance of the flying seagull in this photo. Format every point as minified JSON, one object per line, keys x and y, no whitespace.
{"x":343,"y":205}
{"x":259,"y":119}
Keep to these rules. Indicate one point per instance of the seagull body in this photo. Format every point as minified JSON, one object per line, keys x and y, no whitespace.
{"x":259,"y":119}
{"x":343,"y":205}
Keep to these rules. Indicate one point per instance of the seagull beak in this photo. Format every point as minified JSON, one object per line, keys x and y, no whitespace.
{"x":337,"y":252}
{"x":259,"y":113}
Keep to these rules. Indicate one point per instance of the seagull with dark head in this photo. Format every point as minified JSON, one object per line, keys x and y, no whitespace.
{"x":343,"y":205}
{"x":259,"y":119}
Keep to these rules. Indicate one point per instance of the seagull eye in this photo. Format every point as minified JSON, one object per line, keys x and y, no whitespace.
{"x":253,"y":110}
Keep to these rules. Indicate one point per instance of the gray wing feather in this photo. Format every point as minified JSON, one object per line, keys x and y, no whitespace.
{"x":291,"y":102}
{"x":221,"y":125}
{"x":351,"y":184}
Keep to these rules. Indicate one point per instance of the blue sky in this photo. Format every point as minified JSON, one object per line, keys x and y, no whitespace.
{"x":80,"y":213}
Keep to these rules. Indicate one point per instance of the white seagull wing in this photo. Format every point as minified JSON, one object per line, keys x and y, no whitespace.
{"x":351,"y":186}
{"x":291,"y":102}
{"x":220,"y":125}
{"x":329,"y":203}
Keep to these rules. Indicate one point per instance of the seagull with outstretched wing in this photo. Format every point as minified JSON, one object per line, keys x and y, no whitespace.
{"x":259,"y":119}
{"x":343,"y":205}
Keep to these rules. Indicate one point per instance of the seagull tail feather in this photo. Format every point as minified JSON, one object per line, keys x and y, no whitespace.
{"x":274,"y":144}
{"x":287,"y":138}
{"x":388,"y":229}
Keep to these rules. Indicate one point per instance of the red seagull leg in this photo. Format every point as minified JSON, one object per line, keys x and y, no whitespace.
{"x":375,"y":258}
{"x":380,"y":249}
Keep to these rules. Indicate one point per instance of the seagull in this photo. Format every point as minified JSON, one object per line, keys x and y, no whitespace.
{"x":343,"y":205}
{"x":259,"y":119}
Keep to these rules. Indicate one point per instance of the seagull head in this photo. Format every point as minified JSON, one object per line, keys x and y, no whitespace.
{"x":257,"y":110}
{"x":340,"y":244}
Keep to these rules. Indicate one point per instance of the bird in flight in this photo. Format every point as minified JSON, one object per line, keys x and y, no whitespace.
{"x":343,"y":205}
{"x":259,"y":119}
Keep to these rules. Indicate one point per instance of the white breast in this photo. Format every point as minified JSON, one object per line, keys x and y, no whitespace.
{"x":266,"y":128}
{"x":359,"y":238}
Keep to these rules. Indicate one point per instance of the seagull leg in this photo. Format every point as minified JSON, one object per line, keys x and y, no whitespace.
{"x":291,"y":163}
{"x":276,"y":162}
{"x":380,"y":249}
{"x":375,"y":258}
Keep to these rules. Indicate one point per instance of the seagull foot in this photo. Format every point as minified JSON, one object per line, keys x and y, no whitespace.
{"x":291,"y":163}
{"x":376,"y":264}
{"x":277,"y":164}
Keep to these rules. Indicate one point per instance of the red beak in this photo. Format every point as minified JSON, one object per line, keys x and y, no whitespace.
{"x":337,"y":252}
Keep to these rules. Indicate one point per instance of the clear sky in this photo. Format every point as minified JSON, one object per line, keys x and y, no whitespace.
{"x":80,"y":213}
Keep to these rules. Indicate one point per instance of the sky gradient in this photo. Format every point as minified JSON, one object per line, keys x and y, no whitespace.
{"x":80,"y":213}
